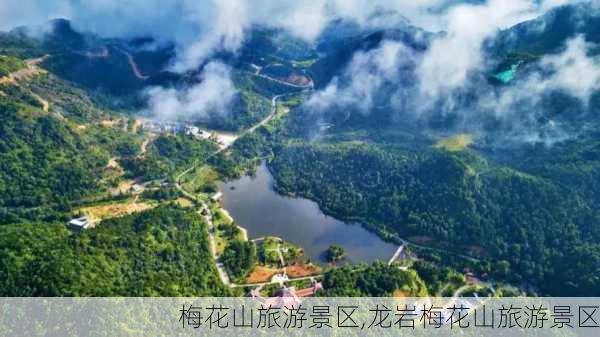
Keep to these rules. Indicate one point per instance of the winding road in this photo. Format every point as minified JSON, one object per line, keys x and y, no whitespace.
{"x":134,"y":67}
{"x":31,"y":69}
{"x":208,"y":217}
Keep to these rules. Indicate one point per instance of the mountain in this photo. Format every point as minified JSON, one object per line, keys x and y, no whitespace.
{"x":466,"y":183}
{"x":341,"y":40}
{"x":549,"y":32}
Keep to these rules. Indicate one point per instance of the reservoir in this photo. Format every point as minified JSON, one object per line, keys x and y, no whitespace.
{"x":254,"y":205}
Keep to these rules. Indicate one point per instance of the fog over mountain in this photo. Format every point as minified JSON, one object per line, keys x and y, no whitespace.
{"x":413,"y":83}
{"x":201,"y":27}
{"x":462,"y":134}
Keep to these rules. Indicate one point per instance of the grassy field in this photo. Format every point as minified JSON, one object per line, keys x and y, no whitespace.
{"x":114,"y":210}
{"x":200,"y":178}
{"x":455,"y":143}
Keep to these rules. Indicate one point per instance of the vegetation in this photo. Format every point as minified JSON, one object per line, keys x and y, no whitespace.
{"x":239,"y":257}
{"x":527,"y":216}
{"x":335,"y":253}
{"x":498,"y":215}
{"x":455,"y":143}
{"x":168,"y":155}
{"x":9,"y":64}
{"x":161,"y":252}
{"x":40,"y":162}
{"x":376,"y":280}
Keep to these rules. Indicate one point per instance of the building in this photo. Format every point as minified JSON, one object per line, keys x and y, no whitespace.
{"x":217,"y":196}
{"x":80,"y":223}
{"x":310,"y":290}
{"x":280,"y":278}
{"x":137,"y":189}
{"x":196,"y":132}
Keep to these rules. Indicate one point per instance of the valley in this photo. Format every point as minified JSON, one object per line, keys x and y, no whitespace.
{"x":326,"y":165}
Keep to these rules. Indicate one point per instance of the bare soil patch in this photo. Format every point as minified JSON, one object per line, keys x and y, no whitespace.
{"x":261,"y":274}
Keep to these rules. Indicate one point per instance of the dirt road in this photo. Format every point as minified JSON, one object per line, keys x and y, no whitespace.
{"x":134,"y":67}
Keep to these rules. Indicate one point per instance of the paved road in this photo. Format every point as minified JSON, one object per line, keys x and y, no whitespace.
{"x":396,"y":254}
{"x":208,"y":217}
{"x":265,"y":283}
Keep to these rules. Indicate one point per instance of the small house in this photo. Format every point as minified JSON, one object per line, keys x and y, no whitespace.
{"x":80,"y":223}
{"x":137,"y":189}
{"x":217,"y":196}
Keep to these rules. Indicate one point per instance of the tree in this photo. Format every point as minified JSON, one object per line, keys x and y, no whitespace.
{"x":239,"y":257}
{"x":335,"y":253}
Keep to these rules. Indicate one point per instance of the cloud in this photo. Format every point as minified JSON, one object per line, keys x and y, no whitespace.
{"x":202,"y":27}
{"x":546,"y":103}
{"x":225,"y":32}
{"x":450,"y":59}
{"x":212,"y":96}
{"x":360,"y":87}
{"x":574,"y":71}
{"x":391,"y":76}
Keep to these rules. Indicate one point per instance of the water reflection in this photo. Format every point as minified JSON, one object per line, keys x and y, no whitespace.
{"x":256,"y":206}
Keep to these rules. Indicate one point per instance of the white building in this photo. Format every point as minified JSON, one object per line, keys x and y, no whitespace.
{"x":217,"y":196}
{"x":80,"y":223}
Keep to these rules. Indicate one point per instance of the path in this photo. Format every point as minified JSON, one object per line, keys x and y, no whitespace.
{"x":232,"y":285}
{"x":213,"y":246}
{"x":208,"y":217}
{"x":258,"y":70}
{"x":279,"y":254}
{"x":144,"y":146}
{"x":396,"y":254}
{"x":310,"y":85}
{"x":234,"y":138}
{"x":31,"y":69}
{"x":266,"y":119}
{"x":134,"y":66}
{"x":45,"y":104}
{"x":103,"y":53}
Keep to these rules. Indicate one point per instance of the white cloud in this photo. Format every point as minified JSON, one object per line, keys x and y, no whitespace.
{"x":226,"y":32}
{"x":574,"y":71}
{"x":519,"y":108}
{"x":450,"y":59}
{"x":201,"y":27}
{"x":213,"y":95}
{"x":368,"y":72}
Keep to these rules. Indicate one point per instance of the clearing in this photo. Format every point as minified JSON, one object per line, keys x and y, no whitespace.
{"x":455,"y":143}
{"x":301,"y":270}
{"x":115,"y":210}
{"x":261,"y":274}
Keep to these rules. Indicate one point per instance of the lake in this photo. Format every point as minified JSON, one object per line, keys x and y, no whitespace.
{"x":254,"y":205}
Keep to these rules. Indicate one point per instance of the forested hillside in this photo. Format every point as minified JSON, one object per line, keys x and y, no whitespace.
{"x":41,"y":156}
{"x":496,"y":170}
{"x":459,"y":202}
{"x":162,"y":252}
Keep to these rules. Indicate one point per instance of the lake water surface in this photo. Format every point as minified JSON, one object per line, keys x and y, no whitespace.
{"x":257,"y":207}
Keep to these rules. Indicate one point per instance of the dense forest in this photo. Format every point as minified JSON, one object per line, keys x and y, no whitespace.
{"x":459,"y":202}
{"x":161,"y":252}
{"x":239,"y":257}
{"x":167,"y":155}
{"x":525,"y":214}
{"x":40,"y":158}
{"x":375,"y":280}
